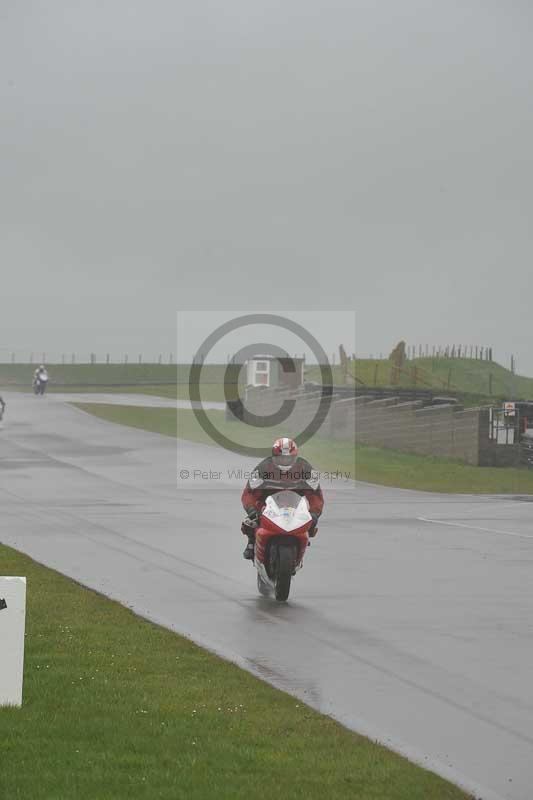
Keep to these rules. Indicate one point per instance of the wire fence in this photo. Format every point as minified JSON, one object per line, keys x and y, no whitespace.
{"x":475,"y":351}
{"x":42,"y":357}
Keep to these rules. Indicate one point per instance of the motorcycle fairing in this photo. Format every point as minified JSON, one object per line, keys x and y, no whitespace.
{"x":287,"y":514}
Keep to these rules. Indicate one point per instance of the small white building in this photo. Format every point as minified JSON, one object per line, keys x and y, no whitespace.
{"x":263,"y":370}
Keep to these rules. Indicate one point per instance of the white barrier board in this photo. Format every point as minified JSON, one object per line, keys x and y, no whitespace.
{"x":12,"y":626}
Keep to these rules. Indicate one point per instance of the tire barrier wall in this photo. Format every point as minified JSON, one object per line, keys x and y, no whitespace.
{"x":443,"y":430}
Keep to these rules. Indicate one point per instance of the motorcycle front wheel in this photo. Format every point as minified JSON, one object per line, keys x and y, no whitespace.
{"x":284,"y":568}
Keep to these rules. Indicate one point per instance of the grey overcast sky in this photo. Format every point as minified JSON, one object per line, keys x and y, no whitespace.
{"x":295,"y":154}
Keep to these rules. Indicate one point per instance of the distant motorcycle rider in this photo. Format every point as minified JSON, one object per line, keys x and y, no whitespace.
{"x":2,"y":407}
{"x":284,"y":469}
{"x":40,"y":376}
{"x":39,"y":373}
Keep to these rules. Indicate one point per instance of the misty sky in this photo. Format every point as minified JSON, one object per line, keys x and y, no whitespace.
{"x":304,"y":154}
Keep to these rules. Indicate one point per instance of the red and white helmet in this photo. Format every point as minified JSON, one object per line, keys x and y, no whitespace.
{"x":284,"y":453}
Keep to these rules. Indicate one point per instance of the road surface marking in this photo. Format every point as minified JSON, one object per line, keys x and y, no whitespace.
{"x":475,"y":528}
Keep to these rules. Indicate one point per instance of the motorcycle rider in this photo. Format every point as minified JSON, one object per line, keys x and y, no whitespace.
{"x":284,"y":469}
{"x":40,"y":374}
{"x":2,"y":407}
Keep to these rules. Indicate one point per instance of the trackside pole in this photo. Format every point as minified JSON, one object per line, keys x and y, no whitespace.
{"x":12,"y":627}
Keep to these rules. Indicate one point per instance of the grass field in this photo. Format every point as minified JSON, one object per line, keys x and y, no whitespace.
{"x":478,"y":377}
{"x":479,"y":380}
{"x":95,"y":374}
{"x":162,"y":380}
{"x":209,"y":392}
{"x":386,"y":467}
{"x":116,"y":707}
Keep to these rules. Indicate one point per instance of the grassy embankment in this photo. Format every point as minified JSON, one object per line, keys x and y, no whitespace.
{"x":480,"y":380}
{"x":162,"y":380}
{"x":386,"y":467}
{"x":116,"y":707}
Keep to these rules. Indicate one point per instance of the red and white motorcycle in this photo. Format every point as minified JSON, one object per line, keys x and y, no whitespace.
{"x":281,"y":540}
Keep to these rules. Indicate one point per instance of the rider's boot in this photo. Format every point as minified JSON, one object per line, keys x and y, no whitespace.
{"x":249,"y":550}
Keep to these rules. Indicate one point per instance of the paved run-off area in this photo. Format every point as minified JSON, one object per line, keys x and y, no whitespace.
{"x":411,"y":621}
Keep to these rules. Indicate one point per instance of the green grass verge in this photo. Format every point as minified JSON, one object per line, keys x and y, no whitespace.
{"x":116,"y":707}
{"x":409,"y":471}
{"x":162,"y":380}
{"x":83,"y":374}
{"x":386,"y":467}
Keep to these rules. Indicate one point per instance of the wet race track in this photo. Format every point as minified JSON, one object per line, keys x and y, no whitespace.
{"x":412,"y":620}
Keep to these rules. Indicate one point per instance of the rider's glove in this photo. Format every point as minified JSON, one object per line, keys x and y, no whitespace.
{"x":253,"y":514}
